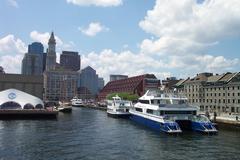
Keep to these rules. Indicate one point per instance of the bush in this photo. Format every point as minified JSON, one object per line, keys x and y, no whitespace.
{"x":124,"y":96}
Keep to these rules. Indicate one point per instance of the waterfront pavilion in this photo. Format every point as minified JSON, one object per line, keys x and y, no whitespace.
{"x":16,"y":99}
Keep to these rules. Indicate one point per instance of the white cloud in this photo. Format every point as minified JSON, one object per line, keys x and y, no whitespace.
{"x":101,"y":3}
{"x":108,"y":62}
{"x":185,"y":29}
{"x":12,"y":45}
{"x":93,"y":29}
{"x":44,"y":37}
{"x":13,"y":3}
{"x":11,"y":64}
{"x":12,"y":50}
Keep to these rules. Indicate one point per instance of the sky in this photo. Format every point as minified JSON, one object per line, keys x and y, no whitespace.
{"x":132,"y":37}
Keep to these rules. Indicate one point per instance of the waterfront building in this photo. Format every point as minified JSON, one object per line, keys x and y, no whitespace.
{"x":135,"y":85}
{"x":60,"y":83}
{"x":51,"y":54}
{"x":32,"y":63}
{"x":16,"y":99}
{"x":214,"y":93}
{"x":114,"y":77}
{"x":88,"y":79}
{"x":168,"y":85}
{"x":27,"y":83}
{"x":100,"y":83}
{"x":70,"y":60}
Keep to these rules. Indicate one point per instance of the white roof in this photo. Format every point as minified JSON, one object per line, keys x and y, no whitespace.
{"x":19,"y":97}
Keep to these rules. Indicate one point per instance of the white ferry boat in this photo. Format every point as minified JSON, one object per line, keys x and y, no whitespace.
{"x":169,"y":113}
{"x":76,"y":102}
{"x":118,"y":107}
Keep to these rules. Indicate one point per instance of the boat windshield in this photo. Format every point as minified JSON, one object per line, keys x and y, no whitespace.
{"x":155,"y":93}
{"x":200,"y":118}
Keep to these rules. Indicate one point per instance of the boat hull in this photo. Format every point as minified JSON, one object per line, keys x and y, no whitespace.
{"x":118,"y":115}
{"x":77,"y":105}
{"x":160,"y":127}
{"x":65,"y":110}
{"x":204,"y":127}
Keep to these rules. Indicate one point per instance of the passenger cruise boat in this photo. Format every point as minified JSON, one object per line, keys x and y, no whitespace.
{"x":169,"y":114}
{"x":77,"y":102}
{"x":118,"y":107}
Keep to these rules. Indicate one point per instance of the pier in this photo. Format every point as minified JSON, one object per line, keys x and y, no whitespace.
{"x":28,"y":114}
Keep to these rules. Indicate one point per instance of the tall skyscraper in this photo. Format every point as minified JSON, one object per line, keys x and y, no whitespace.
{"x":35,"y":47}
{"x":100,"y":83}
{"x":89,"y":79}
{"x":51,"y":54}
{"x":32,"y":63}
{"x":70,"y":60}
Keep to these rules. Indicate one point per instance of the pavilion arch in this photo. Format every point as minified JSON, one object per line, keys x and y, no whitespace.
{"x":28,"y":106}
{"x":10,"y":105}
{"x":39,"y":106}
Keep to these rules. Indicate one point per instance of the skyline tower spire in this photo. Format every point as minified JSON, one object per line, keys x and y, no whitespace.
{"x":51,"y":53}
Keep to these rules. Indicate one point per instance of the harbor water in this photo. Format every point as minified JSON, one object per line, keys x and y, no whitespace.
{"x":90,"y":135}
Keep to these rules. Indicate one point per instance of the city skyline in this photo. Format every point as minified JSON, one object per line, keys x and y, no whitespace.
{"x":166,"y":38}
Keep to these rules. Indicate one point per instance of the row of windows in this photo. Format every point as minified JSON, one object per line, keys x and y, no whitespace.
{"x":216,"y":101}
{"x":210,"y":89}
{"x":215,"y":94}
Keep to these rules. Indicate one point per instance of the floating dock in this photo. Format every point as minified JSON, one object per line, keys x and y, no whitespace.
{"x":28,"y":114}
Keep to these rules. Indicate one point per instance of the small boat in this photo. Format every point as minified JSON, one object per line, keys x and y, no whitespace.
{"x":118,"y":107}
{"x":64,"y":107}
{"x":169,"y":114}
{"x":76,"y":102}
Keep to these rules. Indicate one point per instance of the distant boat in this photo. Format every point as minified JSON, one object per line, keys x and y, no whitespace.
{"x":169,"y":114}
{"x":118,"y":107}
{"x":76,"y":102}
{"x":64,"y":107}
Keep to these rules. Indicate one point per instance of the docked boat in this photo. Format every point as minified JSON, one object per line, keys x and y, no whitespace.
{"x":118,"y":107}
{"x":64,"y":107}
{"x":169,"y":114}
{"x":76,"y":102}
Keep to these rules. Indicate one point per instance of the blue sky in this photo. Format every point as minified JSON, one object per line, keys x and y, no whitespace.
{"x":164,"y":37}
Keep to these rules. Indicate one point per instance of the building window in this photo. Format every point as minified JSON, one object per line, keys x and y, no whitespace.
{"x":207,"y":100}
{"x":228,"y":100}
{"x":238,"y":94}
{"x":233,"y":88}
{"x":223,"y":88}
{"x":228,"y":88}
{"x":238,"y":87}
{"x":228,"y":94}
{"x":219,"y":101}
{"x":238,"y":100}
{"x":233,"y":94}
{"x":223,"y":100}
{"x":233,"y":101}
{"x":223,"y":94}
{"x":215,"y":101}
{"x":219,"y":94}
{"x":215,"y":94}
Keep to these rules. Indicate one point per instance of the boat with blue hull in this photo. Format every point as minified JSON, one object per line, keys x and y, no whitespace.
{"x":169,"y":114}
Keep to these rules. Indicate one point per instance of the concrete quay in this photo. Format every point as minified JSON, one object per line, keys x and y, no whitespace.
{"x":28,"y":114}
{"x":227,"y":121}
